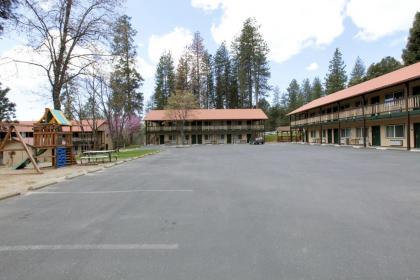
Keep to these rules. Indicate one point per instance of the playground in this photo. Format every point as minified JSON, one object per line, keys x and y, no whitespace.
{"x":46,"y":154}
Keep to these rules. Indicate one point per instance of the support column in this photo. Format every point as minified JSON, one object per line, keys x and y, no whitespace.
{"x":320,"y":125}
{"x":339,"y":124}
{"x":290,"y":128}
{"x":364,"y":121}
{"x":408,"y":117}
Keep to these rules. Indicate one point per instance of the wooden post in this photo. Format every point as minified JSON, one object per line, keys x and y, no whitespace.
{"x":408,"y":117}
{"x":27,"y":150}
{"x":320,"y":125}
{"x":339,"y":124}
{"x":290,"y":128}
{"x":364,"y":121}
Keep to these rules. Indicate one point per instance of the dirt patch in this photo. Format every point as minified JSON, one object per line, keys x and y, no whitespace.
{"x":20,"y":180}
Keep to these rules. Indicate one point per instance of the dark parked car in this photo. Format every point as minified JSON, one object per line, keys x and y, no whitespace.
{"x":257,"y":141}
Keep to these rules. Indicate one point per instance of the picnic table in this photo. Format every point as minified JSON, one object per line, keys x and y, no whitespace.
{"x":98,"y":155}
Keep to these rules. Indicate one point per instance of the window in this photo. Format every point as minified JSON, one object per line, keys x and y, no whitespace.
{"x":323,"y":133}
{"x":395,"y":131}
{"x":248,"y":122}
{"x":358,"y":104}
{"x":206,"y":137}
{"x":222,"y":137}
{"x":389,"y":98}
{"x":187,"y":137}
{"x":240,"y":137}
{"x":313,"y":133}
{"x":346,"y":132}
{"x":359,"y":132}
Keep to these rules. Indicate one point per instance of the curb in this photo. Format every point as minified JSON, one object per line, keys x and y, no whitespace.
{"x":95,"y":170}
{"x":75,"y":175}
{"x":42,"y":185}
{"x":9,"y":195}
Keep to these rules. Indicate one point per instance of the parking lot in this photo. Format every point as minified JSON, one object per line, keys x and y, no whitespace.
{"x":274,"y":211}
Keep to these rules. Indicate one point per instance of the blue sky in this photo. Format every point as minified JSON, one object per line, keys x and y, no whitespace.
{"x":299,"y":33}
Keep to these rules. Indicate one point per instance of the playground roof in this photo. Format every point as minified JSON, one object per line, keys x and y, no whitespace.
{"x":53,"y":116}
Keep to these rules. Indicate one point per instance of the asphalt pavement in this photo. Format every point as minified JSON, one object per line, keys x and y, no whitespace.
{"x":269,"y":212}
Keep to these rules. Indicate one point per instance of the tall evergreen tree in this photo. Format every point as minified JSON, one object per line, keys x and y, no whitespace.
{"x":7,"y":11}
{"x":198,"y":73}
{"x":183,"y":82}
{"x":127,"y":100}
{"x":411,"y":53}
{"x":253,"y":70}
{"x":7,"y":108}
{"x":317,"y":89}
{"x":358,"y":73}
{"x":222,"y":72}
{"x":294,"y":97}
{"x":386,"y":65}
{"x":164,"y":80}
{"x":234,"y":99}
{"x":336,"y":77}
{"x":306,"y":91}
{"x":276,"y":96}
{"x":209,"y":91}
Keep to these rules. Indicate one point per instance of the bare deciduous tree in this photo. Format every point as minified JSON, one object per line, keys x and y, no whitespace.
{"x":70,"y":33}
{"x":179,"y":109}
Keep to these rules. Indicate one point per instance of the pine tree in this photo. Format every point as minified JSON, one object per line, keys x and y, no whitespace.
{"x":357,"y":75}
{"x":411,"y":53}
{"x":7,"y":11}
{"x":386,"y":65}
{"x":209,"y":91}
{"x":198,"y":75}
{"x":222,"y":72}
{"x":7,"y":108}
{"x":127,"y":100}
{"x":306,"y":91}
{"x":164,"y":80}
{"x":336,"y":77}
{"x":70,"y":93}
{"x":183,"y":73}
{"x":317,"y":89}
{"x":276,"y":97}
{"x":251,"y":53}
{"x":294,"y":98}
{"x":234,"y":99}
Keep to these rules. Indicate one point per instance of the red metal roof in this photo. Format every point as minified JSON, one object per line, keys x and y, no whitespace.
{"x":211,"y":114}
{"x":399,"y":76}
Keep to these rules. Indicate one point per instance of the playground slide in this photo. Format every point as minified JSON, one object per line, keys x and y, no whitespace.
{"x":27,"y":161}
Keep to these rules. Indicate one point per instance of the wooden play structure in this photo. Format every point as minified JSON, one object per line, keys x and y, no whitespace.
{"x":10,"y":129}
{"x":52,"y":133}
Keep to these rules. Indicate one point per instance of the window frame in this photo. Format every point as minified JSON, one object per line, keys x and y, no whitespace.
{"x":394,"y":131}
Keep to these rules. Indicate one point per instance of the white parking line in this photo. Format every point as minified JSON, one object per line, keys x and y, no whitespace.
{"x":111,"y":192}
{"x":89,"y":247}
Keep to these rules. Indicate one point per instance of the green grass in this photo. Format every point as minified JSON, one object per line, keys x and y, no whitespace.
{"x":125,"y":154}
{"x":270,"y":138}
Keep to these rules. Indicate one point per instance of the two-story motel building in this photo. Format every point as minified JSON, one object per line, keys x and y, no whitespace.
{"x":205,"y":126}
{"x":382,"y":112}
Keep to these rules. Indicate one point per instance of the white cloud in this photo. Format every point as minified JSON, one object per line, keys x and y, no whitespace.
{"x":288,"y":27}
{"x":175,"y":42}
{"x":379,"y":18}
{"x":28,"y":84}
{"x":312,"y":67}
{"x":291,"y":26}
{"x":206,"y":4}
